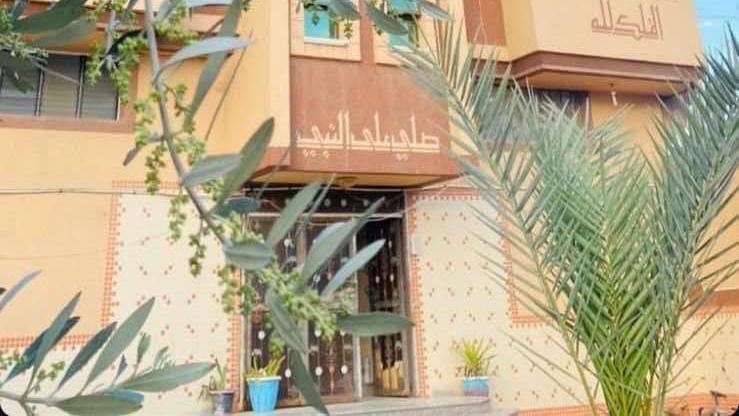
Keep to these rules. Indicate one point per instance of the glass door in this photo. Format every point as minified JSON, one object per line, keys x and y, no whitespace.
{"x":346,"y":368}
{"x":384,"y":358}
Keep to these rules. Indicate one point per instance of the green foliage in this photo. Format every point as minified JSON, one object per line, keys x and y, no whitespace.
{"x":11,"y":41}
{"x":372,"y":324}
{"x":608,"y":248}
{"x":270,"y":369}
{"x":304,"y":381}
{"x":216,"y":383}
{"x":87,"y":352}
{"x":117,"y":398}
{"x":476,"y":355}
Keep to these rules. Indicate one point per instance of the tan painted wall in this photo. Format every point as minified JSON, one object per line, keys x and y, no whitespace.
{"x":567,"y":26}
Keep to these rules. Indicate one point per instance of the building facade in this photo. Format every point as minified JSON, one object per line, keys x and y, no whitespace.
{"x":342,"y":108}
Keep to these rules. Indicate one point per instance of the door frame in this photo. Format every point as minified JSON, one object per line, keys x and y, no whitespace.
{"x":409,"y":341}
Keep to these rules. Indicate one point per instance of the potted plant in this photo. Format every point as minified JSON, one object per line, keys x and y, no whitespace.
{"x":476,"y":356}
{"x":264,"y":383}
{"x":221,"y":397}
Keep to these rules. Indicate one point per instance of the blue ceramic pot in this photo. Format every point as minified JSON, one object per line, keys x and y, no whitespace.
{"x":263,"y":393}
{"x":476,"y":386}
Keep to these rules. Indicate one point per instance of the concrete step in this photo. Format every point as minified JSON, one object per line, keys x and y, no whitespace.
{"x":437,"y":406}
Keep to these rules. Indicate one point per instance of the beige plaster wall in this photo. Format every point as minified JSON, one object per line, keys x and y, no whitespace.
{"x":567,"y":26}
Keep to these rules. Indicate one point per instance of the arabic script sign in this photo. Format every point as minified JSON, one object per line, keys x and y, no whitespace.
{"x":644,"y":23}
{"x":341,"y":136}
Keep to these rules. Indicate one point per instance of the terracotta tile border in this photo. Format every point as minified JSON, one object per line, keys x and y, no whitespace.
{"x":111,"y":264}
{"x":233,"y":356}
{"x":416,"y":303}
{"x":682,"y":405}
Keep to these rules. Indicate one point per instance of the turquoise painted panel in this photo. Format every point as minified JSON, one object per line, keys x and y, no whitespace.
{"x":404,"y":6}
{"x":318,"y":24}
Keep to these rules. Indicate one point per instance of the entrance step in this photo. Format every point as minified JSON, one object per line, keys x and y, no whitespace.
{"x":437,"y":406}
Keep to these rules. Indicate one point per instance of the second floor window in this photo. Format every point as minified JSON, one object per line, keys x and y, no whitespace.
{"x":319,"y":23}
{"x":575,"y":102}
{"x":61,"y":91}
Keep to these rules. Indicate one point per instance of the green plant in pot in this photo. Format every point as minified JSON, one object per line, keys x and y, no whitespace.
{"x":476,"y":355}
{"x":221,"y":397}
{"x":264,"y":382}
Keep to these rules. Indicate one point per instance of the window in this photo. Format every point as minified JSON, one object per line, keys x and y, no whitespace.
{"x":574,"y":101}
{"x":407,"y":11}
{"x":61,"y":91}
{"x":318,"y":22}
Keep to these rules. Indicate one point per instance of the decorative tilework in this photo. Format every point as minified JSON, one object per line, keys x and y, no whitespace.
{"x":451,"y":298}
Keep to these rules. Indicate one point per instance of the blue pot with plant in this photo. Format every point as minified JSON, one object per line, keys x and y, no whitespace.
{"x":222,"y":399}
{"x":264,"y":384}
{"x":476,"y":356}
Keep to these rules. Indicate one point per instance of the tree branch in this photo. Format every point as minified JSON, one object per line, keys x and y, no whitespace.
{"x":167,"y":124}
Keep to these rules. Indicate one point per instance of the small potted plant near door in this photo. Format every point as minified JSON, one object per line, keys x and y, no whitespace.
{"x":476,"y":356}
{"x":264,"y":383}
{"x":221,"y":397}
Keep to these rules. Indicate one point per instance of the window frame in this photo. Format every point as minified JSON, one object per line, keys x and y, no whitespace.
{"x":334,"y":31}
{"x":122,"y":123}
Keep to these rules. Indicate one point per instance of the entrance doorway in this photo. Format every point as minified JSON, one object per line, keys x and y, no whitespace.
{"x":344,"y":367}
{"x":384,"y":359}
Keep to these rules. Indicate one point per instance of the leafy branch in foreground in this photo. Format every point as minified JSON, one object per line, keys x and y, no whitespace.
{"x":616,"y":252}
{"x":165,"y":127}
{"x":210,"y":183}
{"x":121,"y":395}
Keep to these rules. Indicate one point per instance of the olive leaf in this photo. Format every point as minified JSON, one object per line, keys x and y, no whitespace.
{"x":332,"y":239}
{"x":120,"y":340}
{"x":373,"y":324}
{"x":239,"y":205}
{"x":285,"y":326}
{"x":54,"y":333}
{"x":344,"y":9}
{"x":8,"y":295}
{"x":383,"y":21}
{"x":87,"y":352}
{"x":292,"y":212}
{"x":58,"y":16}
{"x":167,"y":378}
{"x":205,"y":47}
{"x":249,"y":255}
{"x":29,"y":354}
{"x":104,"y":404}
{"x":143,"y":347}
{"x":251,"y":156}
{"x":210,"y":168}
{"x":214,"y":63}
{"x":350,"y":267}
{"x":68,"y":34}
{"x":131,"y":154}
{"x":304,"y":381}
